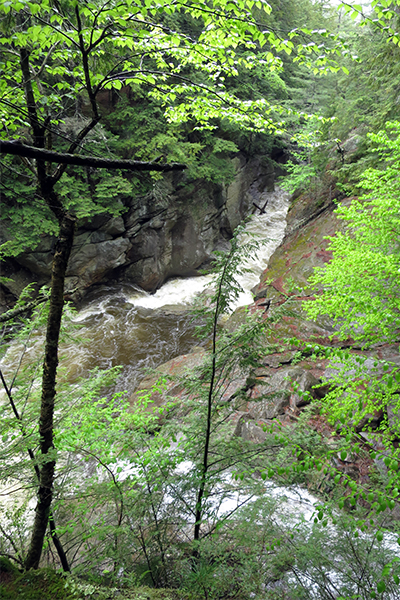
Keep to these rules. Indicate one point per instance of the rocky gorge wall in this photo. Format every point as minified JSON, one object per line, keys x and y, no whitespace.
{"x":266,"y":395}
{"x":171,"y":231}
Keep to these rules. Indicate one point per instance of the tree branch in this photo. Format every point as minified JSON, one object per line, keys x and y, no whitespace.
{"x":17,"y":149}
{"x":38,"y":131}
{"x":81,"y":136}
{"x":15,"y":312}
{"x":85,"y":63}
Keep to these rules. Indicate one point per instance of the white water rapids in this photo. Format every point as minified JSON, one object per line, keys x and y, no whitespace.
{"x":126,"y":326}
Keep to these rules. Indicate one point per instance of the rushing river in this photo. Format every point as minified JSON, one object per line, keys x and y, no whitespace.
{"x":129,"y":327}
{"x":123,"y":325}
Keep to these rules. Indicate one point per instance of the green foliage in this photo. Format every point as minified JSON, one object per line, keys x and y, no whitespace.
{"x":360,"y":284}
{"x":142,"y":131}
{"x":131,"y":481}
{"x":364,"y":99}
{"x":26,"y":218}
{"x":306,"y":171}
{"x":300,"y":176}
{"x":187,"y":78}
{"x":359,"y":291}
{"x":45,"y":584}
{"x":126,"y":488}
{"x":159,"y":66}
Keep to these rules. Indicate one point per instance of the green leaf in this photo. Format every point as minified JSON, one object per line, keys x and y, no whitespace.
{"x":381,"y":586}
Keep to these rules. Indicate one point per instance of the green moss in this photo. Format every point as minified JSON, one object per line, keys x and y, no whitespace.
{"x":6,"y":566}
{"x":46,"y":584}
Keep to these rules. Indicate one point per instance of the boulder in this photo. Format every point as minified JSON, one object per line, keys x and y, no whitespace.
{"x":91,"y":262}
{"x":171,"y":371}
{"x":274,"y":396}
{"x":268,"y":402}
{"x":114,"y":227}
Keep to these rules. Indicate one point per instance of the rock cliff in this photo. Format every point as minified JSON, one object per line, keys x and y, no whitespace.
{"x":172,"y":231}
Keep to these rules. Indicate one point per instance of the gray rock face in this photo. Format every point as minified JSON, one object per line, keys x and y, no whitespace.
{"x":271,"y":397}
{"x":170,"y":232}
{"x":92,"y":261}
{"x":248,"y":429}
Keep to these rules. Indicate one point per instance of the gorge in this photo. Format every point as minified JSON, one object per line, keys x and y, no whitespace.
{"x":199,"y":371}
{"x":126,"y":326}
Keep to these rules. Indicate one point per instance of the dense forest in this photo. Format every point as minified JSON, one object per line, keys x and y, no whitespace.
{"x":257,"y":454}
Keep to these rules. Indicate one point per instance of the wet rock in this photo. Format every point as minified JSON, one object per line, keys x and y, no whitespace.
{"x":18,"y":276}
{"x":259,"y":292}
{"x":262,"y":372}
{"x":100,"y":236}
{"x":266,"y":403}
{"x":170,"y":232}
{"x":237,"y":201}
{"x":70,"y":285}
{"x":173,"y":369}
{"x":351,"y":145}
{"x":275,"y":360}
{"x":114,"y":227}
{"x":38,"y":263}
{"x":232,"y":389}
{"x":303,"y":248}
{"x":321,"y":391}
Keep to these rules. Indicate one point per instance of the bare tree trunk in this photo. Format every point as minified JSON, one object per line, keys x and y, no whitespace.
{"x":17,"y":149}
{"x":47,"y":450}
{"x":207,"y":438}
{"x":47,"y":455}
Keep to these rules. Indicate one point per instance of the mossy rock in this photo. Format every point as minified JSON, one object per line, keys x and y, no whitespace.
{"x":43,"y":584}
{"x":47,"y":584}
{"x":6,"y":566}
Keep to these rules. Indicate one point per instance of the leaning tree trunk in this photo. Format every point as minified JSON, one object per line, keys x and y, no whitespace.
{"x":60,"y":260}
{"x":47,"y":450}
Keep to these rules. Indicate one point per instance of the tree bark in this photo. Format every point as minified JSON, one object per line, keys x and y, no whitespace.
{"x":47,"y":450}
{"x":45,"y":475}
{"x":46,"y":183}
{"x":52,"y":524}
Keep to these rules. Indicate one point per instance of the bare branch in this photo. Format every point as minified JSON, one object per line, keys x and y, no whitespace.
{"x":11,"y":147}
